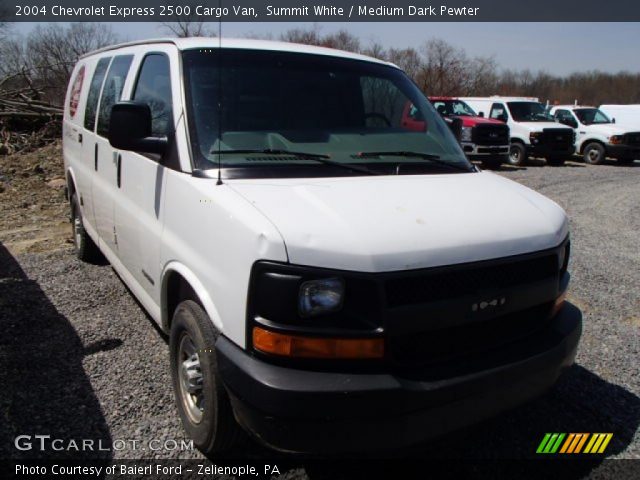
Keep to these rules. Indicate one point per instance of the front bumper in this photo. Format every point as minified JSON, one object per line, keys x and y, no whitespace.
{"x":543,"y":150}
{"x":475,"y":151}
{"x":623,"y":151}
{"x":336,"y":412}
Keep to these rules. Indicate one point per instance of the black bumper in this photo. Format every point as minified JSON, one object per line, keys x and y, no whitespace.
{"x":328,"y":412}
{"x":623,"y":151}
{"x":549,"y":151}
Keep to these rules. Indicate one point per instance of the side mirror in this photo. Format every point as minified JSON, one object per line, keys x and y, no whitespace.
{"x":481,"y":114}
{"x":503,"y":118}
{"x":130,"y":129}
{"x":613,"y":120}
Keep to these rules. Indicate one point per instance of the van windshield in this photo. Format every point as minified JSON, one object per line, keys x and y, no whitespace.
{"x":529,"y":112}
{"x":295,"y":114}
{"x":591,"y":116}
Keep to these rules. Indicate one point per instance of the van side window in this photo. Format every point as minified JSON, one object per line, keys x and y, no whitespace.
{"x":498,"y":112}
{"x":112,"y":90}
{"x":154,"y":89}
{"x":94,"y":93}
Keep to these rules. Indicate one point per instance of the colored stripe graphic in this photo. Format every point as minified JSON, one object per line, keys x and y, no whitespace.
{"x":573,"y":443}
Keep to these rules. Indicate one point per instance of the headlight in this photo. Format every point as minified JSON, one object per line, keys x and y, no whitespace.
{"x":615,"y":139}
{"x":320,"y":296}
{"x":465,"y":135}
{"x":534,"y":137}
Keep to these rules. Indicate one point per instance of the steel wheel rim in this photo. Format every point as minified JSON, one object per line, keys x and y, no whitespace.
{"x":515,"y":155}
{"x":190,"y":379}
{"x":594,"y":155}
{"x":77,"y":230}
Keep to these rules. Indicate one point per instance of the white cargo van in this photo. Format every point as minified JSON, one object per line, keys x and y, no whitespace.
{"x":330,"y":280}
{"x":597,"y":137}
{"x":628,"y":115}
{"x":533,"y":131}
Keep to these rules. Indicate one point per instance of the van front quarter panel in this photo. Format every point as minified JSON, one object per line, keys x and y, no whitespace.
{"x":217,"y":235}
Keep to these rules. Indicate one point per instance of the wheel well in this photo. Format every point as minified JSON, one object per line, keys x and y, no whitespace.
{"x":587,"y":142}
{"x":177,"y":290}
{"x":517,"y":140}
{"x":71,"y":186}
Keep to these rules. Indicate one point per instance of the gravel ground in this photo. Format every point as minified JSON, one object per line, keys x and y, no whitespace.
{"x":90,"y":364}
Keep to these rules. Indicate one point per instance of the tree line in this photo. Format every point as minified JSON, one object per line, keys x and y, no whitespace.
{"x":39,"y":65}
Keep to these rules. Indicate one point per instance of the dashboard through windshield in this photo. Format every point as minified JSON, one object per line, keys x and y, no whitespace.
{"x":297,"y":114}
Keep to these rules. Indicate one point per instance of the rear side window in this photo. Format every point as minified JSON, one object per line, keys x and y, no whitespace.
{"x":94,"y":93}
{"x":154,"y":89}
{"x":112,"y":90}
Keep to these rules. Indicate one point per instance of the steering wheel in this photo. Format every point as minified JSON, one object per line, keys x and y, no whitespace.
{"x":379,"y":116}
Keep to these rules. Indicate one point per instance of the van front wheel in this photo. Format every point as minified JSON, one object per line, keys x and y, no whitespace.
{"x":86,"y":249}
{"x":517,"y":154}
{"x":203,"y":403}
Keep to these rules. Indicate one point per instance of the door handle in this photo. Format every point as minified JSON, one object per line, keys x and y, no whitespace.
{"x":95,"y":158}
{"x":119,"y":168}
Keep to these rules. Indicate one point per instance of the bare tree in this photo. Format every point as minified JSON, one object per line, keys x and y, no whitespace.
{"x":185,"y":27}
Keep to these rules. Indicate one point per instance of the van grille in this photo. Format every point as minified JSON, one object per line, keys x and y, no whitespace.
{"x":490,"y":134}
{"x":632,"y":139}
{"x":557,"y":138}
{"x":466,"y":341}
{"x":453,"y":283}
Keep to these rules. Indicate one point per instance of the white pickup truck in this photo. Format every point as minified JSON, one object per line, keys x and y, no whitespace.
{"x":330,"y":279}
{"x":533,"y":131}
{"x":597,"y":136}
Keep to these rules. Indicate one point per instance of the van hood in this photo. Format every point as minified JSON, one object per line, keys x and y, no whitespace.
{"x":539,"y":126}
{"x":390,"y":223}
{"x":468,"y":121}
{"x":606,"y":129}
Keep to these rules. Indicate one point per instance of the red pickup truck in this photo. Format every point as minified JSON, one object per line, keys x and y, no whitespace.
{"x":482,"y":139}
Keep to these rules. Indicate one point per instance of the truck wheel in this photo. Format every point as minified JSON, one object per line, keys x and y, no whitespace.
{"x":517,"y":154}
{"x":492,"y":163}
{"x":593,"y":154}
{"x":556,"y":161}
{"x":203,"y":403}
{"x":86,"y":249}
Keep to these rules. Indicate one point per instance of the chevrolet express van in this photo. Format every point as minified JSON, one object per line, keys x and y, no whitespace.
{"x":330,"y":281}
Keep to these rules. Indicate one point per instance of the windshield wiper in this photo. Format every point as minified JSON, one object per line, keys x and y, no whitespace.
{"x":424,"y":156}
{"x":318,"y":157}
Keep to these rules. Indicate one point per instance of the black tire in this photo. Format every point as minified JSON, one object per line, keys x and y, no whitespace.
{"x":556,"y":161}
{"x":216,"y":430}
{"x":493,"y":163}
{"x":593,"y":153}
{"x":86,"y":249}
{"x":517,"y":154}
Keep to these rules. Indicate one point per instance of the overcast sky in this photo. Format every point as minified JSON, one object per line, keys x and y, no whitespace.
{"x":558,"y":48}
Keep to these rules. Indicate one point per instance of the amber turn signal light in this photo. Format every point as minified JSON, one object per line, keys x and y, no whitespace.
{"x":311,"y":347}
{"x":558,"y":304}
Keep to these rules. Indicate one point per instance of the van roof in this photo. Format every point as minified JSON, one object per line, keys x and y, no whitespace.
{"x":571,"y":107}
{"x":243,"y":43}
{"x":506,"y":99}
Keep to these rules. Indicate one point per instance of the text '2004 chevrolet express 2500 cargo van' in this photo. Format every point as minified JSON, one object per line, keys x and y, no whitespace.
{"x":330,"y":280}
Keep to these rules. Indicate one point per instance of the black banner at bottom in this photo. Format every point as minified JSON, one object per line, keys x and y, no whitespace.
{"x":294,"y":468}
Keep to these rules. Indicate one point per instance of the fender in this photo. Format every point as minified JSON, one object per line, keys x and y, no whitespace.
{"x":198,"y":288}
{"x":589,"y":140}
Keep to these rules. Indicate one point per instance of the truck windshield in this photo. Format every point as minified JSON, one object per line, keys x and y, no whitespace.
{"x":250,"y":103}
{"x":529,"y":112}
{"x":591,"y":116}
{"x":453,"y":107}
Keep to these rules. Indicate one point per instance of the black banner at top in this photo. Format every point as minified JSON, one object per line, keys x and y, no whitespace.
{"x":320,"y":10}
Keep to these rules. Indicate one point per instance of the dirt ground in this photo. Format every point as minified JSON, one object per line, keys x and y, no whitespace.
{"x":33,"y":210}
